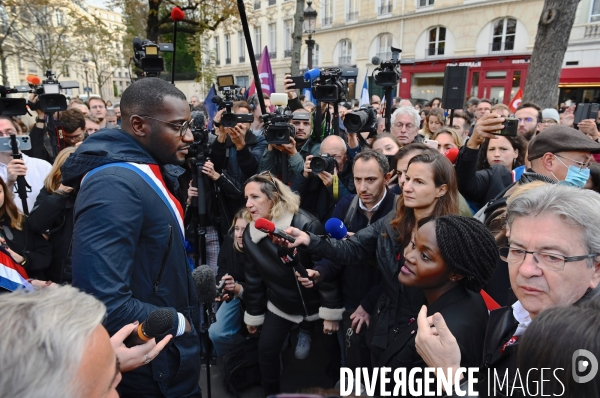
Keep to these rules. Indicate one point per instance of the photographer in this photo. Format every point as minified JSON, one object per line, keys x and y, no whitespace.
{"x":320,"y":191}
{"x":236,"y":150}
{"x":298,"y":149}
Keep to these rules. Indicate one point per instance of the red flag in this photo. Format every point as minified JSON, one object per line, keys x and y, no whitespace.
{"x":266,"y":75}
{"x":516,"y":101}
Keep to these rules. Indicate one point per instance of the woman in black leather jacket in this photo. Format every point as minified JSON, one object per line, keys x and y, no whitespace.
{"x":274,"y":299}
{"x":52,"y":215}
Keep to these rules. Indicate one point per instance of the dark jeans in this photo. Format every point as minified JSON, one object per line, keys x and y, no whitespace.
{"x":272,"y":336}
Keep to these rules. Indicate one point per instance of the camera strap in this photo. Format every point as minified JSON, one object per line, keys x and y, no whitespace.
{"x":336,"y":187}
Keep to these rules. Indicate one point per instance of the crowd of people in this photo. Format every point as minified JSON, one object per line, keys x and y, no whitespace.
{"x":464,"y":247}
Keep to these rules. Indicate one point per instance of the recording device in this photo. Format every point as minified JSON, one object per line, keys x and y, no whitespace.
{"x":300,"y":82}
{"x":230,"y":94}
{"x":433,"y":144}
{"x":268,"y":227}
{"x":50,"y":99}
{"x":586,"y":111}
{"x":288,"y":257}
{"x":511,"y":126}
{"x":328,"y":85}
{"x":157,"y":326}
{"x":23,"y":143}
{"x":206,"y":289}
{"x":336,"y":228}
{"x":325,"y":162}
{"x":363,"y":119}
{"x":388,"y":74}
{"x":146,"y":56}
{"x":278,"y":128}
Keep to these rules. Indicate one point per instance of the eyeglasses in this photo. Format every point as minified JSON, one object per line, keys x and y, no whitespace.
{"x":547,"y":261}
{"x":97,"y":107}
{"x":73,"y":138}
{"x":271,"y":179}
{"x":182,"y":128}
{"x":549,"y":121}
{"x":582,"y":165}
{"x":526,"y":120}
{"x":409,"y":126}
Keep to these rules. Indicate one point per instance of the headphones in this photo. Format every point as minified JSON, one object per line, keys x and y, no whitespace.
{"x":253,"y":101}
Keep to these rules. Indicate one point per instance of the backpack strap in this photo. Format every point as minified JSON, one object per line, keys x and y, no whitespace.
{"x":349,"y":217}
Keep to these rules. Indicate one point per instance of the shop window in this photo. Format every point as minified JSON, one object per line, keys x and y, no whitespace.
{"x":437,"y":42}
{"x":426,"y":86}
{"x":503,"y":35}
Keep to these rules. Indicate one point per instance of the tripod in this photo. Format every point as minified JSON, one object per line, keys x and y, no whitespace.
{"x":22,"y":185}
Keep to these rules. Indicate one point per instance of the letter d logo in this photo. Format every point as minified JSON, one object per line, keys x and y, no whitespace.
{"x":582,"y":365}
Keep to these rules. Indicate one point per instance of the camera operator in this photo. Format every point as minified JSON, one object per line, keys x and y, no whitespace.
{"x":298,"y":149}
{"x":258,"y":127}
{"x":34,"y":170}
{"x":320,"y":191}
{"x":236,"y":150}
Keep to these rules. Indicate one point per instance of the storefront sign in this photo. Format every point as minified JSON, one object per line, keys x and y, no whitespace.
{"x":476,"y":64}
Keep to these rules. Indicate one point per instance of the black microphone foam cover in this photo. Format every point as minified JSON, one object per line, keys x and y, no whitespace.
{"x":137,"y":44}
{"x":198,"y":118}
{"x":158,"y":323}
{"x":375,"y":60}
{"x":3,"y":91}
{"x":205,"y":284}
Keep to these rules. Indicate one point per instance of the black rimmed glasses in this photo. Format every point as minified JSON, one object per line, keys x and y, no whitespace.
{"x":182,"y":128}
{"x":544,"y":260}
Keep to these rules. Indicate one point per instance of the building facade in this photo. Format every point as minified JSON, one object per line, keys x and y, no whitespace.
{"x":494,"y":38}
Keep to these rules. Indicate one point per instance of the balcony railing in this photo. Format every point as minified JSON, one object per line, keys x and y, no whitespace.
{"x":504,"y":47}
{"x":433,"y":52}
{"x":273,"y":55}
{"x":242,"y":59}
{"x":385,"y":56}
{"x":326,"y":21}
{"x":592,"y":31}
{"x":257,"y":56}
{"x":272,"y":2}
{"x":257,"y":5}
{"x":385,"y":9}
{"x":287,"y":53}
{"x":345,"y":60}
{"x":217,"y":62}
{"x":352,"y":16}
{"x":227,"y":61}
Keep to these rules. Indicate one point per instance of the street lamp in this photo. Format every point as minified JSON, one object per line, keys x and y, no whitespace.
{"x":87,"y":85}
{"x":309,"y":25}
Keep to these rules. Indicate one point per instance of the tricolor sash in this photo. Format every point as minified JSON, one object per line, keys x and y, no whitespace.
{"x":12,"y":275}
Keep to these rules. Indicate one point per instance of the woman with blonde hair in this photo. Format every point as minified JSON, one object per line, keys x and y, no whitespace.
{"x":274,"y":299}
{"x":447,"y":138}
{"x":52,"y":215}
{"x":434,"y":122}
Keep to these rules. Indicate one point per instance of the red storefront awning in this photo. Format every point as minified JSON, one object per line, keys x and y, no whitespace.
{"x":580,"y":77}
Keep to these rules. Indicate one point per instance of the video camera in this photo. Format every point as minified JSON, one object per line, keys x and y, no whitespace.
{"x":325,"y":162}
{"x":278,"y":128}
{"x":50,"y":99}
{"x":328,"y":85}
{"x":145,"y":56}
{"x":229,"y":91}
{"x":388,"y":74}
{"x":363,"y":119}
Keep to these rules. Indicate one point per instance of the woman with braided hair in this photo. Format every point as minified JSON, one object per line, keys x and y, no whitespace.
{"x":445,"y":267}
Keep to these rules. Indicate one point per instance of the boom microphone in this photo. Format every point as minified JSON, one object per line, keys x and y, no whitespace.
{"x":268,"y":227}
{"x":206,"y":289}
{"x":336,"y":228}
{"x":157,"y":325}
{"x":137,"y":44}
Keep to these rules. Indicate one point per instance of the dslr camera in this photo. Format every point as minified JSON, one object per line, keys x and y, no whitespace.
{"x":229,"y":94}
{"x":325,"y":162}
{"x":50,"y":99}
{"x":363,"y":119}
{"x":145,"y":56}
{"x":278,"y":127}
{"x":328,"y":85}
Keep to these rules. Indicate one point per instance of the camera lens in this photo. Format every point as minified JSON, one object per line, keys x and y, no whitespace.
{"x":318,"y":164}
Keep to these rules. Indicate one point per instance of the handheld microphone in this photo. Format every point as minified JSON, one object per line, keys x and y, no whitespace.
{"x":336,"y":228}
{"x":206,"y":289}
{"x":157,"y":325}
{"x":33,"y":80}
{"x":452,"y":154}
{"x":268,"y":227}
{"x":288,"y":257}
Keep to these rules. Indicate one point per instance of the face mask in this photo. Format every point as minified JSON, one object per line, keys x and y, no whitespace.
{"x":576,"y":177}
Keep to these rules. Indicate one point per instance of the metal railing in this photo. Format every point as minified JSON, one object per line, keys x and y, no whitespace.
{"x":345,"y":60}
{"x":227,"y":61}
{"x":257,"y":56}
{"x":434,"y":52}
{"x":217,"y":62}
{"x":592,"y":31}
{"x":287,"y":53}
{"x":352,"y":16}
{"x":326,"y":21}
{"x":257,"y":5}
{"x":272,"y":2}
{"x":502,"y":47}
{"x":242,"y":59}
{"x":273,"y":55}
{"x":385,"y":9}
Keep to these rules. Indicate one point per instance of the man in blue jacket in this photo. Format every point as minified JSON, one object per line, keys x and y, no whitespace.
{"x":127,"y":242}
